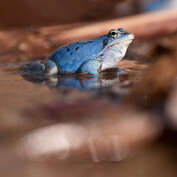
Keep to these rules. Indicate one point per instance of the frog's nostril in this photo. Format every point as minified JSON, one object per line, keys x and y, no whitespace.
{"x":126,"y":33}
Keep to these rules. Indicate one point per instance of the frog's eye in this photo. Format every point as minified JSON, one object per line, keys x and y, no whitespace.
{"x":113,"y":33}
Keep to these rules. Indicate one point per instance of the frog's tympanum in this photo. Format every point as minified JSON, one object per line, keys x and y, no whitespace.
{"x":85,"y":57}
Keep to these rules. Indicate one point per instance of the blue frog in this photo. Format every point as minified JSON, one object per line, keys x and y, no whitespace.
{"x":85,"y":57}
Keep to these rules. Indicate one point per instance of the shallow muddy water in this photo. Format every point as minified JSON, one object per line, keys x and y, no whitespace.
{"x":23,"y":91}
{"x":62,"y":126}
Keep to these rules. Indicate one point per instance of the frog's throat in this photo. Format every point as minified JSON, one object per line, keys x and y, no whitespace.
{"x":109,"y":46}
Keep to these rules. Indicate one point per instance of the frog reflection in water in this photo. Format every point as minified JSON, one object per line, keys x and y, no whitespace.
{"x":107,"y":79}
{"x":85,"y":57}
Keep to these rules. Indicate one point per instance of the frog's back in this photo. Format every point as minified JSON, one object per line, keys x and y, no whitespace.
{"x":69,"y":58}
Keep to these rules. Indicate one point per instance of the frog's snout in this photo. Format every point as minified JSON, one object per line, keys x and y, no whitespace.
{"x":123,"y":31}
{"x":132,"y":36}
{"x":129,"y":35}
{"x":126,"y":33}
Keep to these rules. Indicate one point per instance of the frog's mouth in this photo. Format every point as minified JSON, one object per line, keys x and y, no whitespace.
{"x":128,"y":41}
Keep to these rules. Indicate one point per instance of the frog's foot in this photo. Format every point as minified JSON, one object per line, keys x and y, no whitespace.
{"x":48,"y":68}
{"x":92,"y":66}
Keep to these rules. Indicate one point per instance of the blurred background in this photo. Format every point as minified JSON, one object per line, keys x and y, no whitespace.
{"x":20,"y":13}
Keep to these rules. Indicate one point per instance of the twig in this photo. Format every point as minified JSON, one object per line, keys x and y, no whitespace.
{"x":143,"y":25}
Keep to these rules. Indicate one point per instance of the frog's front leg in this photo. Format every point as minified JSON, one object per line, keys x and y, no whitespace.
{"x":50,"y":68}
{"x":92,"y":66}
{"x":47,"y":68}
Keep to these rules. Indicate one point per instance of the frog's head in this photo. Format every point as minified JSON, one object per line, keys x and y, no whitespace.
{"x":115,"y":37}
{"x":115,"y":45}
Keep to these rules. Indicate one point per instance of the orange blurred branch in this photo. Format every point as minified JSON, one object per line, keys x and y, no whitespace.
{"x":143,"y":25}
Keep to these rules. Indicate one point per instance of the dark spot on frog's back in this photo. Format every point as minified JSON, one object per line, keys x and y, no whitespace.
{"x":105,"y":41}
{"x":77,"y":48}
{"x":68,"y":49}
{"x":88,"y":42}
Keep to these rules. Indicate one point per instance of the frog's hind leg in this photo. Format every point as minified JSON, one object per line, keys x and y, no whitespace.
{"x":33,"y":68}
{"x":48,"y":68}
{"x":92,"y":66}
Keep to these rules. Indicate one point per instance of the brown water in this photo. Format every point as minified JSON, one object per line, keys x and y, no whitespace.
{"x":51,"y":129}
